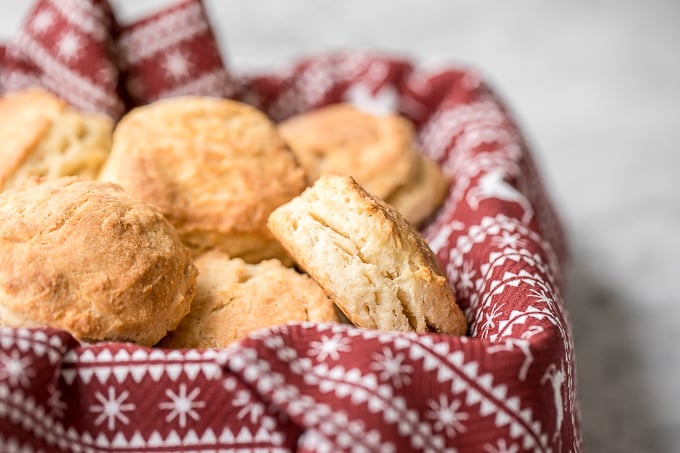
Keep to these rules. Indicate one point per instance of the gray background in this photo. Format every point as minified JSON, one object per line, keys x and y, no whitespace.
{"x":596,"y":88}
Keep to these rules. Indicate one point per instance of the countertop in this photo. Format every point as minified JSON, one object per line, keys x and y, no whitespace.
{"x":595,"y":87}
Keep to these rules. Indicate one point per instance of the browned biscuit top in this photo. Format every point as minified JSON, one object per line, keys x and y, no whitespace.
{"x":378,"y":269}
{"x":214,"y":167}
{"x":86,"y":257}
{"x":377,"y":150}
{"x":421,"y":197}
{"x":234,"y":298}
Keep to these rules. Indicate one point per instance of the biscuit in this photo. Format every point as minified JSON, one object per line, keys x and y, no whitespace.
{"x":234,"y":298}
{"x":421,"y":197}
{"x":374,"y":265}
{"x":214,"y":167}
{"x":86,"y":257}
{"x":40,"y":135}
{"x":376,"y":150}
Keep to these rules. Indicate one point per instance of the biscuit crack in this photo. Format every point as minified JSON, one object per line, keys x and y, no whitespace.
{"x":431,"y":327}
{"x":403,"y":299}
{"x":351,"y":255}
{"x":218,"y":307}
{"x":357,"y":252}
{"x":64,"y":217}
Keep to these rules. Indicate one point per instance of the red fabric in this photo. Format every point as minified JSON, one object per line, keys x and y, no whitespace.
{"x":173,"y":53}
{"x":507,"y":387}
{"x":68,"y":48}
{"x":3,"y":49}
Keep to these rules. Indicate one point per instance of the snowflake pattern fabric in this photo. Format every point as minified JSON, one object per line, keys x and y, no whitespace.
{"x":68,"y":48}
{"x":507,"y":387}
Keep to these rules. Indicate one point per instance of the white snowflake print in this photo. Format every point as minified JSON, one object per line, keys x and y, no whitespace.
{"x":329,"y":347}
{"x":42,"y":21}
{"x":69,"y":46}
{"x":230,"y":383}
{"x":542,"y":296}
{"x":392,"y":367}
{"x":501,"y":447}
{"x":112,"y":408}
{"x":464,"y":279}
{"x":490,"y":317}
{"x":106,"y":74}
{"x":182,"y":405}
{"x":508,"y":240}
{"x":446,"y":415}
{"x":16,"y":369}
{"x":55,"y":402}
{"x":248,"y":407}
{"x":176,"y":65}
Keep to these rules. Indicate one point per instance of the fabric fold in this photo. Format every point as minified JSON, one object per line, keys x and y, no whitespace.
{"x":79,"y":51}
{"x":173,"y":53}
{"x":69,"y":49}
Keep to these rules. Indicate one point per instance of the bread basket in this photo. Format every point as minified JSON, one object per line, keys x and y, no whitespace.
{"x":508,"y":386}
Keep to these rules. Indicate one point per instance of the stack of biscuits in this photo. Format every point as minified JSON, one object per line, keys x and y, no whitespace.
{"x":197,"y":220}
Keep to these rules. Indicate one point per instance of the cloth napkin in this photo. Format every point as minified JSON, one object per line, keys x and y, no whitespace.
{"x":508,"y":386}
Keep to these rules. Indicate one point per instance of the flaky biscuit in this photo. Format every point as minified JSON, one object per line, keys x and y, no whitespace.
{"x":378,"y":270}
{"x":214,"y":167}
{"x":40,"y":135}
{"x":422,"y":196}
{"x":376,"y":150}
{"x":234,"y":298}
{"x":86,"y":257}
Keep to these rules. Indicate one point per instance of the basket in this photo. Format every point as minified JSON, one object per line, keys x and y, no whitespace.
{"x":508,"y":386}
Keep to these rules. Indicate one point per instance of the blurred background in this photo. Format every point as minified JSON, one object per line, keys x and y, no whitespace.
{"x":595,"y":87}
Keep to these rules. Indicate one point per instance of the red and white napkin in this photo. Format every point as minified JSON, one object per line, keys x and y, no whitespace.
{"x":507,"y":387}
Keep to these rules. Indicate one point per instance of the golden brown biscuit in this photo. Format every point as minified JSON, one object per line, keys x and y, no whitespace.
{"x":377,"y":150}
{"x":215,"y":168}
{"x":86,"y":257}
{"x":234,"y":298}
{"x":40,"y":135}
{"x":377,"y":269}
{"x":421,"y":197}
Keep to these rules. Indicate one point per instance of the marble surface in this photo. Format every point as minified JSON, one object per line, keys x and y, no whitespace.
{"x":596,"y":88}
